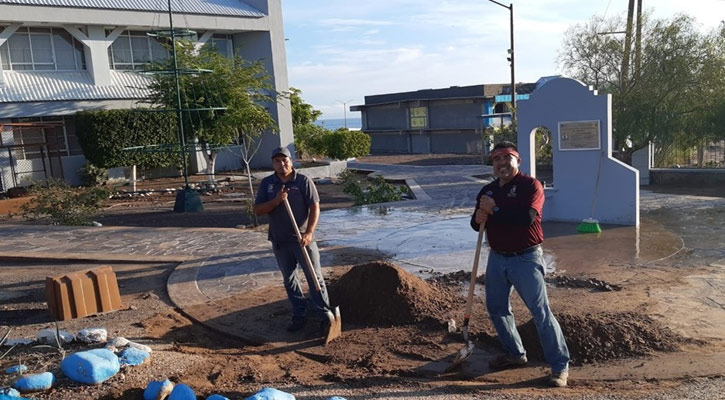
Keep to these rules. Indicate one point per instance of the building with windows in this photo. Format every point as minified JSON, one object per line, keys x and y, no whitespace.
{"x":450,"y":120}
{"x":58,"y":57}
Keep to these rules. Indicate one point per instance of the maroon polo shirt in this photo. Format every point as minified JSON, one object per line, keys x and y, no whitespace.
{"x":515,"y":197}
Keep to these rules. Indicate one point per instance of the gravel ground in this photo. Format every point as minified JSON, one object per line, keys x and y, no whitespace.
{"x":696,"y":389}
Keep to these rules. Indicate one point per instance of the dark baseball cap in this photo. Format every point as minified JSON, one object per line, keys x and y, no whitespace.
{"x":281,"y":150}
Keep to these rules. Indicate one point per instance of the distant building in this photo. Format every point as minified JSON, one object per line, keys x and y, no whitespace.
{"x":450,"y":120}
{"x":62,"y":56}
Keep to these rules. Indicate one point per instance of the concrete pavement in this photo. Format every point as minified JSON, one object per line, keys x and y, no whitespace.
{"x":430,"y":234}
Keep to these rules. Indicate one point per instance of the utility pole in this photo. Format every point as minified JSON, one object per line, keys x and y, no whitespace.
{"x":510,"y":58}
{"x":638,"y":40}
{"x":627,"y":45}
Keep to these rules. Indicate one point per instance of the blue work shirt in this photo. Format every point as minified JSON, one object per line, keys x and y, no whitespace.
{"x":301,"y":194}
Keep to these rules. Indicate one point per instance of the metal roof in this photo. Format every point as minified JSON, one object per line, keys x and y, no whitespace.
{"x":234,"y":8}
{"x":31,"y":86}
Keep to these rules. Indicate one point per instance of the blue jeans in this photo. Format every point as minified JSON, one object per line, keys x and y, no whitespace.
{"x":289,"y":259}
{"x":525,"y":273}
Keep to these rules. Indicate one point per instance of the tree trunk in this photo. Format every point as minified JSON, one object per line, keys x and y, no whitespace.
{"x":251,"y":189}
{"x":210,"y":166}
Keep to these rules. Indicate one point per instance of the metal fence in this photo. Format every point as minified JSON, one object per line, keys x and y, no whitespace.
{"x":674,"y":155}
{"x":21,"y":165}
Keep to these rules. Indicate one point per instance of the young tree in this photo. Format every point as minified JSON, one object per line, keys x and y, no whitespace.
{"x":247,"y":120}
{"x":222,"y":102}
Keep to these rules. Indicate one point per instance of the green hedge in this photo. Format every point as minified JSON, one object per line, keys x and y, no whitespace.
{"x":343,"y":144}
{"x":103,"y":134}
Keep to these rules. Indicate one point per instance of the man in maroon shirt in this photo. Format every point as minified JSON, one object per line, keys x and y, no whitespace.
{"x":509,"y":208}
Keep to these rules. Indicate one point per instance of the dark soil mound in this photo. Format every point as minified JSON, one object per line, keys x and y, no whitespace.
{"x":383,"y":294}
{"x":602,"y":337}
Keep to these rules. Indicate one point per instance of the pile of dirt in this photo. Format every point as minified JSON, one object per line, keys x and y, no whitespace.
{"x":456,"y":278}
{"x":602,"y":337}
{"x":383,"y":294}
{"x":587,"y":283}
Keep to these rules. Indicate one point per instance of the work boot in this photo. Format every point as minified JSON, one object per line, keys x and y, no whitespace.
{"x":558,"y":379}
{"x":505,"y":361}
{"x":296,"y":324}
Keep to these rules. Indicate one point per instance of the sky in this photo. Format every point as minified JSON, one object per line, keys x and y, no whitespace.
{"x":339,"y":51}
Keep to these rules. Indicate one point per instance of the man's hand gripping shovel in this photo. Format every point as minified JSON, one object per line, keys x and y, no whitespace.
{"x":467,"y":350}
{"x":333,"y":315}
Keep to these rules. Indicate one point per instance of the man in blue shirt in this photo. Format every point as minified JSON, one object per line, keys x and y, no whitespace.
{"x":300,"y":191}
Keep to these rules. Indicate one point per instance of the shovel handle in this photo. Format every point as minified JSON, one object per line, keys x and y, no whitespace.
{"x":474,"y":274}
{"x":308,"y":261}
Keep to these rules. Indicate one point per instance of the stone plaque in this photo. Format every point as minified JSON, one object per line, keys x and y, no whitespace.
{"x":579,"y":135}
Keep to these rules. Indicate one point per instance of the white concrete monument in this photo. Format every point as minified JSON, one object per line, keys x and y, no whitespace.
{"x":588,"y":182}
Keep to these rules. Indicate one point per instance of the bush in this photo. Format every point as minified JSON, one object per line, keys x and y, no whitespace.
{"x":378,"y":191}
{"x":343,"y":143}
{"x":63,"y":204}
{"x":92,"y":175}
{"x":309,"y":140}
{"x":103,"y":134}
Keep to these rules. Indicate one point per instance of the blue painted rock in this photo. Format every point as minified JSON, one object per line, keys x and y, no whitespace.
{"x":217,"y":397}
{"x":271,"y":394}
{"x":34,"y":383}
{"x":15,"y":369}
{"x":133,"y":356}
{"x":336,"y":398}
{"x":157,"y":390}
{"x":9,"y":392}
{"x":182,"y":392}
{"x":4,"y":396}
{"x":91,"y":367}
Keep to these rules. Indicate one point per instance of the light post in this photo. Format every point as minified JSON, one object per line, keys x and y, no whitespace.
{"x":344,"y":109}
{"x":510,"y":7}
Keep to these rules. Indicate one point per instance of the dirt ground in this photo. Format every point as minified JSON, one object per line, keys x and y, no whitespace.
{"x":633,"y":331}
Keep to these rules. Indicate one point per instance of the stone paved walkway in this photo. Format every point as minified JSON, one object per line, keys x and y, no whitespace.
{"x":431,"y":230}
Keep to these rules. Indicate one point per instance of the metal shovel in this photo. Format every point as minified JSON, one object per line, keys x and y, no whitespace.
{"x":467,"y":350}
{"x":335,"y":327}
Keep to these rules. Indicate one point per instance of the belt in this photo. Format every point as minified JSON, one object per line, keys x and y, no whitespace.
{"x":518,"y":253}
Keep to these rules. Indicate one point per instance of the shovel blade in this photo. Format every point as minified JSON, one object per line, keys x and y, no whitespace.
{"x":335,"y":326}
{"x":462,"y":355}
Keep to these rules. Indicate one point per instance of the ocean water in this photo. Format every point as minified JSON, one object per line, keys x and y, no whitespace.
{"x":335,"y":123}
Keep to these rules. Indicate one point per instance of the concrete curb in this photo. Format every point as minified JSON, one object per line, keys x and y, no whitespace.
{"x":86,"y":257}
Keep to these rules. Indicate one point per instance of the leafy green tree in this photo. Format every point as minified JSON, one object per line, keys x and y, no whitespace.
{"x":302,"y":113}
{"x":221,"y":107}
{"x":308,"y":135}
{"x":671,"y":97}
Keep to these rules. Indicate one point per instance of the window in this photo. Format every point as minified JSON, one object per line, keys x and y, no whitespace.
{"x":42,"y":49}
{"x":223,"y":44}
{"x":418,"y":117}
{"x":134,"y":49}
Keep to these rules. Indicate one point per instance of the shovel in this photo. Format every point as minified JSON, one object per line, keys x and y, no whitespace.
{"x":335,"y":327}
{"x":467,"y":350}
